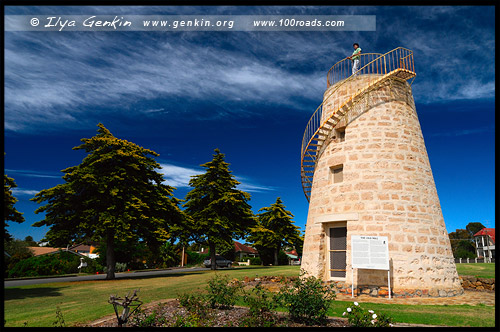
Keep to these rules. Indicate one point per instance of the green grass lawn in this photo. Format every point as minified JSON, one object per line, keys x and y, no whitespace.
{"x":86,"y":301}
{"x":481,"y":270}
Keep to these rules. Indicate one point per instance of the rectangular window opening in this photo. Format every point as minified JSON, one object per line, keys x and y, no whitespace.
{"x":338,"y":249}
{"x":337,"y":174}
{"x":340,"y":134}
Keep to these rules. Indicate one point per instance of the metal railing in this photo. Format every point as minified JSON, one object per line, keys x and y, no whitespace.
{"x":343,"y":69}
{"x":377,"y":67}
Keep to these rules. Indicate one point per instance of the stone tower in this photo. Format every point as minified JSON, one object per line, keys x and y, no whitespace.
{"x":365,"y":171}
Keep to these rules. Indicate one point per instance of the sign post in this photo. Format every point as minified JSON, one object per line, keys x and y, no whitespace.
{"x":370,"y":252}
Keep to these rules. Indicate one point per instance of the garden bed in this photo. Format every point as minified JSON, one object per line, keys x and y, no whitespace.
{"x":170,"y":312}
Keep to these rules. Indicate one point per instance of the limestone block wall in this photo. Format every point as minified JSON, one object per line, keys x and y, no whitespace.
{"x":387,"y":190}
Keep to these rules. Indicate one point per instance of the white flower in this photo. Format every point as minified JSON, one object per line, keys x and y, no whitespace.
{"x":355,"y":303}
{"x":391,"y":325}
{"x":374,"y":316}
{"x":371,"y":311}
{"x":348,"y":309}
{"x":373,"y":322}
{"x":343,"y":314}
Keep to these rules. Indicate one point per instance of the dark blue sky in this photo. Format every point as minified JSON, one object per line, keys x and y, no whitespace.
{"x":250,"y":94}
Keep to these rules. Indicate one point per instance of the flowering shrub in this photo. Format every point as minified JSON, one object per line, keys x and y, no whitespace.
{"x":360,"y":317}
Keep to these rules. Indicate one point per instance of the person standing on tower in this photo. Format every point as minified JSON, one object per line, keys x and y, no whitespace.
{"x":355,"y":58}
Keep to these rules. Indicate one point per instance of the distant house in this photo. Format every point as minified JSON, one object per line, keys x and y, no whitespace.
{"x":241,"y":250}
{"x":485,"y":243}
{"x":40,"y":251}
{"x":86,"y":250}
{"x":293,"y":257}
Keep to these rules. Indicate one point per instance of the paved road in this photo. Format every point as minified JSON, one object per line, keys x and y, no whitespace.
{"x":17,"y":283}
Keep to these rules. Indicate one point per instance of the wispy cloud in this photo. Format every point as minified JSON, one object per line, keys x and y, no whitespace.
{"x":249,"y":186}
{"x":24,"y":192}
{"x":34,"y":174}
{"x":179,"y":176}
{"x":66,"y":79}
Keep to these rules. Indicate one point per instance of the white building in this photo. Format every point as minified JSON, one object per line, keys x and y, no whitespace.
{"x":485,"y":243}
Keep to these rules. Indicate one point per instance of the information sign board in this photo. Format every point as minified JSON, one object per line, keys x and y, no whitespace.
{"x":370,"y":252}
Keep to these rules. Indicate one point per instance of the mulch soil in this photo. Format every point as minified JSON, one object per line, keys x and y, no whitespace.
{"x":170,"y":311}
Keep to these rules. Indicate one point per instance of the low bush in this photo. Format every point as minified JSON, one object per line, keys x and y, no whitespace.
{"x":307,"y":299}
{"x":255,"y":261}
{"x":222,"y":293}
{"x":54,"y":264}
{"x":262,"y":308}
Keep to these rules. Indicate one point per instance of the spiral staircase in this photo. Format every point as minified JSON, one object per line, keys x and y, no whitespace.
{"x":378,"y":68}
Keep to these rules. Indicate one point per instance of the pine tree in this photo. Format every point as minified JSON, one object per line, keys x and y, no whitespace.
{"x":9,"y":212}
{"x":274,"y":229}
{"x":115,"y":194}
{"x":218,"y":211}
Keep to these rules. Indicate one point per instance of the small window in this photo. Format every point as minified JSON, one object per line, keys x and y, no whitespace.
{"x":340,"y":134}
{"x":337,"y":174}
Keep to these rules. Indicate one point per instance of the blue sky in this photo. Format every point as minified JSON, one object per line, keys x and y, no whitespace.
{"x":250,"y":94}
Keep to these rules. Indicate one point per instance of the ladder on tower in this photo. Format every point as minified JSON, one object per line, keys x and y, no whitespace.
{"x":396,"y":63}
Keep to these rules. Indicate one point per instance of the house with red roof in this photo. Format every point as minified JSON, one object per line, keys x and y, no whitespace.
{"x":485,"y":244}
{"x":241,"y":250}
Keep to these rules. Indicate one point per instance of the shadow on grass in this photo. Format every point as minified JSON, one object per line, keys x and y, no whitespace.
{"x":16,"y":293}
{"x":171,"y":274}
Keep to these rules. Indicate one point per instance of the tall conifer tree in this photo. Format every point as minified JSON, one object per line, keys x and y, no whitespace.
{"x":274,"y":229}
{"x":115,"y":194}
{"x":10,"y":213}
{"x":219,"y":212}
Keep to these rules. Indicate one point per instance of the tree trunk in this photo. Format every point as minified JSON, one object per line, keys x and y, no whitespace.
{"x":212,"y":256}
{"x":110,"y":255}
{"x":276,"y":251}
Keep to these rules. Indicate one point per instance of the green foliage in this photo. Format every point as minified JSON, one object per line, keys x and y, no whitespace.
{"x":18,"y":250}
{"x":170,"y":255}
{"x":307,"y":299}
{"x":273,"y":230}
{"x":222,"y":293}
{"x":196,"y":304}
{"x":462,"y":240}
{"x":262,"y":308}
{"x":59,"y":322}
{"x":54,"y":264}
{"x":9,"y":211}
{"x":473,"y":227}
{"x":359,"y":317}
{"x":218,"y":211}
{"x":115,"y":193}
{"x":464,"y":249}
{"x":195,"y":258}
{"x":255,"y":261}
